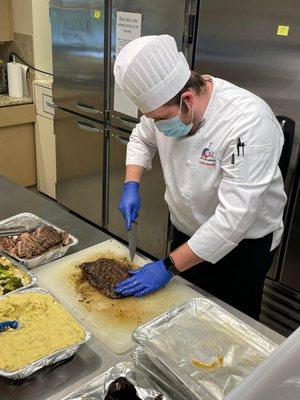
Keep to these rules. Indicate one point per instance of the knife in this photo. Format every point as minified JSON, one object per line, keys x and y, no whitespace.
{"x":132,"y":240}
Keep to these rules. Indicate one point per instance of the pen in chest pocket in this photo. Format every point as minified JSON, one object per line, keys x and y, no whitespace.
{"x":242,"y":145}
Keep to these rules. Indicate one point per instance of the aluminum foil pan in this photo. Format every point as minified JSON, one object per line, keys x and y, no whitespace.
{"x":96,"y":389}
{"x":31,"y":276}
{"x":50,"y":359}
{"x":160,"y":373}
{"x":31,"y":221}
{"x":203,"y":331}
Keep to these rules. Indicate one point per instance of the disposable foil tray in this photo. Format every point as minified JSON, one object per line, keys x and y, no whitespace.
{"x":97,"y":388}
{"x":32,"y":277}
{"x":203,"y":331}
{"x":33,"y":221}
{"x":50,"y":359}
{"x":160,"y":373}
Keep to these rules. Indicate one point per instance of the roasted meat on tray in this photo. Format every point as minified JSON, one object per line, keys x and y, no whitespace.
{"x":123,"y":389}
{"x":30,"y":245}
{"x":104,"y":274}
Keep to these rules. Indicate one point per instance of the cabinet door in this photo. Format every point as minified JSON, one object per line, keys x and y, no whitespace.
{"x":45,"y":155}
{"x":240,"y":41}
{"x":157,"y":17}
{"x":153,"y":217}
{"x":6,"y":32}
{"x":78,"y":55}
{"x":79,"y":159}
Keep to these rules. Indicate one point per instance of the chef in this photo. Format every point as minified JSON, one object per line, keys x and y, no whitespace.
{"x":219,"y":147}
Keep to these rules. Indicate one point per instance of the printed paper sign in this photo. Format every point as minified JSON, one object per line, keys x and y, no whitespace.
{"x":128,"y":27}
{"x":48,"y":105}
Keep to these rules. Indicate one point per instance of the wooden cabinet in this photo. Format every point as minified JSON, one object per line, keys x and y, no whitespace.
{"x":6,"y":29}
{"x":17,"y":144}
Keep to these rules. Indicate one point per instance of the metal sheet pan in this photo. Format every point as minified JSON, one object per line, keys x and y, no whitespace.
{"x":31,"y":221}
{"x":59,"y":355}
{"x":32,"y":277}
{"x":96,"y":389}
{"x":202,"y":330}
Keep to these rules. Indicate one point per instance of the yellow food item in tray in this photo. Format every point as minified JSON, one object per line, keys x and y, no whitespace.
{"x":213,"y":364}
{"x":45,"y":327}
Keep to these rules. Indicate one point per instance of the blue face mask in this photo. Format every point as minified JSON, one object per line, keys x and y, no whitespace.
{"x":174,"y":127}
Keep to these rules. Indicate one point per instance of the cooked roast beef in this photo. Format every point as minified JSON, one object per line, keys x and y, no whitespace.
{"x":104,"y":274}
{"x":30,"y":245}
{"x":123,"y":389}
{"x":6,"y":243}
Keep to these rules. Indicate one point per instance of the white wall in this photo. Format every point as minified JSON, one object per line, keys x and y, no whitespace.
{"x":42,"y":44}
{"x":22,"y":16}
{"x":31,"y":17}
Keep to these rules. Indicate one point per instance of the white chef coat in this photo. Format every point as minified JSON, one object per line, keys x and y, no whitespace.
{"x":215,"y":195}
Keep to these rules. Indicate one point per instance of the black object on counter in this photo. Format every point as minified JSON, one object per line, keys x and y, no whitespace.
{"x":123,"y":389}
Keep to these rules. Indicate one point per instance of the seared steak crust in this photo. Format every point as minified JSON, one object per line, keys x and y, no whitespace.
{"x":104,"y":274}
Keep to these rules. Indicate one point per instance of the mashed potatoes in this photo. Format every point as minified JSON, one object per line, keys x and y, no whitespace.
{"x":45,"y":328}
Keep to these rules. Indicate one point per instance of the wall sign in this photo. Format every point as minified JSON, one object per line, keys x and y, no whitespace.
{"x":48,"y":105}
{"x":128,"y":28}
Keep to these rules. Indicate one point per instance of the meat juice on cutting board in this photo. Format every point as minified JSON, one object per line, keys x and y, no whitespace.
{"x":126,"y":310}
{"x":111,"y":320}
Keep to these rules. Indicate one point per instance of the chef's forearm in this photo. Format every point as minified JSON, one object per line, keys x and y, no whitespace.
{"x":185,"y":258}
{"x":134,"y":173}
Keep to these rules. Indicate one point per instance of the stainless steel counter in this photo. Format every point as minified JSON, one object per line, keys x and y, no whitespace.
{"x":56,"y":381}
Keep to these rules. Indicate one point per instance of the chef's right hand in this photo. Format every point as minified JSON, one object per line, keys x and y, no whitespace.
{"x":130,"y":203}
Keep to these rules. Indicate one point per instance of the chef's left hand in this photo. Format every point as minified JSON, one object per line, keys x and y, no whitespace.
{"x":145,"y":280}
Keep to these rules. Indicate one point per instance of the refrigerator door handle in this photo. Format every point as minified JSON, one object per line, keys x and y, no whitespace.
{"x":121,"y":139}
{"x":86,"y":127}
{"x":191,"y":28}
{"x":86,"y":108}
{"x":126,"y":122}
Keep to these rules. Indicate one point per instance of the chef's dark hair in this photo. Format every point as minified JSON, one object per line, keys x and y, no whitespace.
{"x":196,"y":82}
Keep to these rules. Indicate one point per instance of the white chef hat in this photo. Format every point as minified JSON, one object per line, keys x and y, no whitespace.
{"x":151,"y":71}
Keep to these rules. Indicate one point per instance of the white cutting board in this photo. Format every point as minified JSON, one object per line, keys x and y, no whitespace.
{"x":111,"y":320}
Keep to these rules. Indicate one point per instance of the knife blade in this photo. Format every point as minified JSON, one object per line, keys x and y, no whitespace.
{"x":132,"y":240}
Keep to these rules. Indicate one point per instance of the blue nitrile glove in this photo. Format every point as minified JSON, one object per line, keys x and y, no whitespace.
{"x":145,"y":280}
{"x":8,"y":324}
{"x":130,"y":202}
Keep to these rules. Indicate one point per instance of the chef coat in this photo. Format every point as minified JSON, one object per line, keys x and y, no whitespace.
{"x":218,"y":192}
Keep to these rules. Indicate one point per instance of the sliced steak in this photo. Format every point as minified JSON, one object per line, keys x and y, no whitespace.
{"x":104,"y":274}
{"x":30,"y":245}
{"x":7,"y":243}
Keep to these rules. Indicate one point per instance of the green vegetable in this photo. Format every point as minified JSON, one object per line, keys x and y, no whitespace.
{"x":13,"y":284}
{"x":8,"y":282}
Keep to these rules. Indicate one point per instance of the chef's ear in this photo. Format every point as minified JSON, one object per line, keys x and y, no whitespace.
{"x":188,"y":98}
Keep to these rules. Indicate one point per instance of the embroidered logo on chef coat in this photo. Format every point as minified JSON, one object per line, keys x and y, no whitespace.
{"x":208,"y":158}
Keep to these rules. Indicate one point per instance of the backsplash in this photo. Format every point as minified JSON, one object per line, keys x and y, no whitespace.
{"x":23,"y":46}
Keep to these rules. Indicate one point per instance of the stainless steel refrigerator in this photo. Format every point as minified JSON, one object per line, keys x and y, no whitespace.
{"x":79,"y":87}
{"x":94,"y":119}
{"x":255,"y":44}
{"x":157,"y":17}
